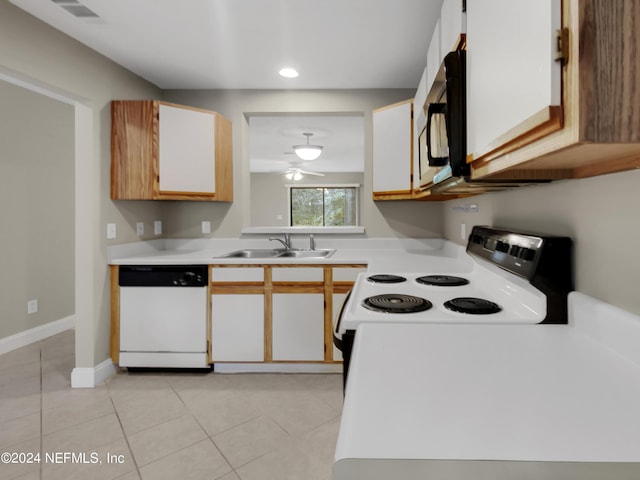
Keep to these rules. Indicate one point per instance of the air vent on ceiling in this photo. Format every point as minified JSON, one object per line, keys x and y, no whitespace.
{"x":76,"y":9}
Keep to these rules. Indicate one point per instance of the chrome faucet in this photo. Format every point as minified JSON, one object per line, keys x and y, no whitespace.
{"x":312,"y":242}
{"x":286,"y":242}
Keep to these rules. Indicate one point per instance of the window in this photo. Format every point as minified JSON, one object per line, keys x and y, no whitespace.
{"x":323,"y":206}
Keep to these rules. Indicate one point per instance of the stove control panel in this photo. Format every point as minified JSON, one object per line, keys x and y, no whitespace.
{"x":517,"y":252}
{"x":545,"y":261}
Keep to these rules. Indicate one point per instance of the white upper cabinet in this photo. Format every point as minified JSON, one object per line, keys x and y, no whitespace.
{"x":513,"y":79}
{"x":434,"y":57}
{"x":186,"y":150}
{"x":453,"y":23}
{"x":164,"y":151}
{"x":392,"y":149}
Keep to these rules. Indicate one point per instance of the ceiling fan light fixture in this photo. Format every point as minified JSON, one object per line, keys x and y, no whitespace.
{"x":307,"y":151}
{"x":294,"y":175}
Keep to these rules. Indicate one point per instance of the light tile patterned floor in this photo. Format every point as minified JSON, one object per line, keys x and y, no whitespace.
{"x":164,"y":425}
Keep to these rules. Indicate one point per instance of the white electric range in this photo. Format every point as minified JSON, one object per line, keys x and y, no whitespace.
{"x":516,"y":278}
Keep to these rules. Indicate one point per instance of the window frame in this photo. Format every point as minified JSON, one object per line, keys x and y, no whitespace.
{"x":356,"y":186}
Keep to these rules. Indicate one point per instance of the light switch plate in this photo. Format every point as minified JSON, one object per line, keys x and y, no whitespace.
{"x":140,"y":229}
{"x":206,"y":226}
{"x":111,"y":231}
{"x":157,"y":227}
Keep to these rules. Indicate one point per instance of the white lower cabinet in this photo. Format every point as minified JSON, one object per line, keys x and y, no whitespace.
{"x":298,"y":326}
{"x":237,"y":327}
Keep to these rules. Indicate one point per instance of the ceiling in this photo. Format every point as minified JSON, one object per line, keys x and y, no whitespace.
{"x":242,"y":44}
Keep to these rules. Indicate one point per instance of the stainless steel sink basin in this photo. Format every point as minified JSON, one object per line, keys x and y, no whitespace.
{"x":278,"y":253}
{"x":306,"y":254}
{"x":254,"y":253}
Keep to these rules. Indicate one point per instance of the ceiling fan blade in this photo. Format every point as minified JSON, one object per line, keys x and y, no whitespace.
{"x":304,"y":172}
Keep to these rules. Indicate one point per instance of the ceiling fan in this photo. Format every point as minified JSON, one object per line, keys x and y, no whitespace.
{"x":294,"y":172}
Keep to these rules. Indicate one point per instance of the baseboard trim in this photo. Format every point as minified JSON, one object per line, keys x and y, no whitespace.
{"x":36,"y":334}
{"x":90,"y":377}
{"x":277,"y":367}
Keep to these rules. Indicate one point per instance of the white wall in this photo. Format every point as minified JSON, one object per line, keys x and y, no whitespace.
{"x":39,"y":55}
{"x":599,"y":213}
{"x":36,"y":209}
{"x":380,"y":219}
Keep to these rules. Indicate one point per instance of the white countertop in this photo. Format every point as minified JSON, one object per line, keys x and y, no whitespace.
{"x":381,"y":255}
{"x":475,"y":394}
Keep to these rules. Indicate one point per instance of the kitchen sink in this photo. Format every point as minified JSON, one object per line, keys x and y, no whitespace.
{"x":306,"y":254}
{"x":278,"y":253}
{"x":254,"y":253}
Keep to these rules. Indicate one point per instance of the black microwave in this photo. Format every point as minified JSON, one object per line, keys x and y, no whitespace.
{"x":443,"y":142}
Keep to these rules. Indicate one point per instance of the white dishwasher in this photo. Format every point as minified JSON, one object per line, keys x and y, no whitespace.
{"x":163,"y":316}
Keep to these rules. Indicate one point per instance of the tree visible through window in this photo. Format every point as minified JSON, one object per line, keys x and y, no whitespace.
{"x":323,"y":206}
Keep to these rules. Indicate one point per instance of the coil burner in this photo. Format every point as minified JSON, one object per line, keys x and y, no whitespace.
{"x":386,"y":278}
{"x":473,"y":306}
{"x":396,"y":303}
{"x":442,"y":280}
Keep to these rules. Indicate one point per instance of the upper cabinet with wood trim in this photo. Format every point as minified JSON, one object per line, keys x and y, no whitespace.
{"x":393,"y":151}
{"x":595,"y":126}
{"x":453,"y":26}
{"x":513,"y":80}
{"x":163,"y":151}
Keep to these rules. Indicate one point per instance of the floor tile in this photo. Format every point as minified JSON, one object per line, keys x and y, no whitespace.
{"x":21,"y":356}
{"x":94,"y":465}
{"x":220,"y":411}
{"x":230,"y":476}
{"x":10,"y":378}
{"x":19,"y":430}
{"x":250,"y":440}
{"x":298,"y":412}
{"x":169,"y":437}
{"x":165,"y":424}
{"x":24,"y":469}
{"x":322,"y":441}
{"x":88,"y":435}
{"x":199,"y":461}
{"x":129,"y":476}
{"x":79,"y":406}
{"x":288,"y":462}
{"x":19,"y":405}
{"x":142,"y":408}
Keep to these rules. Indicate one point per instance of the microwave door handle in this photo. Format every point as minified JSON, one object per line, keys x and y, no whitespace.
{"x":433,"y":109}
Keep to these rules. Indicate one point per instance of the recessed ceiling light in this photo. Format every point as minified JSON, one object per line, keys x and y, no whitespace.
{"x":288,"y":72}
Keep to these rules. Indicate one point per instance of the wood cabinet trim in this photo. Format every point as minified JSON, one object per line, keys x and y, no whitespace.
{"x":268,"y":315}
{"x":115,"y":314}
{"x":135,"y":171}
{"x":539,"y":125}
{"x":601,"y":128}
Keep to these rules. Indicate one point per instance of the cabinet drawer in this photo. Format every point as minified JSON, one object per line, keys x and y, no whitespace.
{"x":294,"y":274}
{"x":237,"y":274}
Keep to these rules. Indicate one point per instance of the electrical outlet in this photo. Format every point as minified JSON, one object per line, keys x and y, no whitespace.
{"x":32,"y":306}
{"x":111,"y":231}
{"x":157,"y":227}
{"x":206,"y":226}
{"x":140,"y":229}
